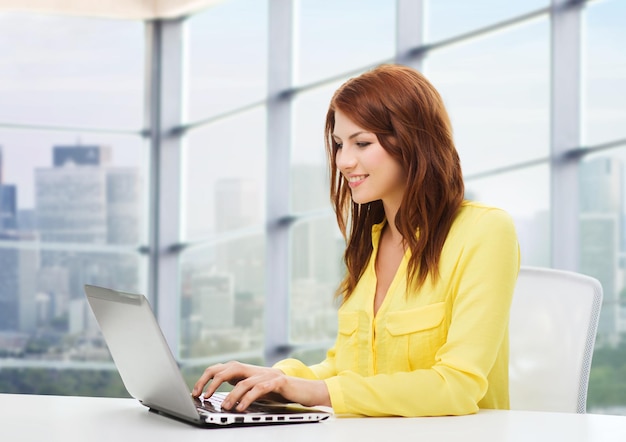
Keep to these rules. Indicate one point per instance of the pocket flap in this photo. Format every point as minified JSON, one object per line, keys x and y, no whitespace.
{"x":348,"y":322}
{"x":415,"y":320}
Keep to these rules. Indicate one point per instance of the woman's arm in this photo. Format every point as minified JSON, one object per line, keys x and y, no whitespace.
{"x":252,"y":382}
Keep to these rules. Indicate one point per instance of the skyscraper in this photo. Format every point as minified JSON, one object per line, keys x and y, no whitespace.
{"x":17,"y":284}
{"x":83,"y":200}
{"x":8,"y":201}
{"x":81,"y":155}
{"x":237,"y":206}
{"x":8,"y":207}
{"x":226,"y":277}
{"x":316,"y":250}
{"x":600,"y":233}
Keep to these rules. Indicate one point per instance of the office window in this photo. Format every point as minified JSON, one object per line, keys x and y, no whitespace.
{"x":224,"y":176}
{"x":604,"y":73}
{"x":316,"y":270}
{"x":222,"y":275}
{"x":451,"y":18}
{"x":73,"y":194}
{"x":51,"y":77}
{"x":221,"y":300}
{"x":222,"y":271}
{"x":316,"y":245}
{"x":227,"y":46}
{"x":330,"y":36}
{"x":602,"y":194}
{"x":496,"y":89}
{"x":309,"y":167}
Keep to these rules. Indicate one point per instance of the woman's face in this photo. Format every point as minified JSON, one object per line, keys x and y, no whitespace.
{"x":369,"y":170}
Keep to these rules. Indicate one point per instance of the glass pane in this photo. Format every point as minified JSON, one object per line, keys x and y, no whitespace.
{"x":497,"y":93}
{"x":44,"y":318}
{"x":448,"y":18}
{"x":227,"y":57}
{"x":525,"y":195}
{"x":93,"y":190}
{"x":309,"y":170}
{"x":222,"y":299}
{"x":604,"y":72}
{"x":602,"y":246}
{"x":224,"y":176}
{"x":316,"y":270}
{"x":332,"y":37}
{"x":70,"y":214}
{"x":71,"y":71}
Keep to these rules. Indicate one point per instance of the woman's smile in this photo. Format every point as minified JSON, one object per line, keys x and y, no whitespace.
{"x":356,"y":180}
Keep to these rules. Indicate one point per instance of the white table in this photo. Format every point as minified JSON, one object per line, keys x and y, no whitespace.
{"x":68,"y":419}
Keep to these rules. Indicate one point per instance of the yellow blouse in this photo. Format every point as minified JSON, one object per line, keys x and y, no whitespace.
{"x":439,"y":350}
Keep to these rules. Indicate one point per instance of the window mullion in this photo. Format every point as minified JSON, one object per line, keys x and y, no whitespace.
{"x":164,"y":115}
{"x":278,"y":179}
{"x":565,"y":133}
{"x":410,"y":32}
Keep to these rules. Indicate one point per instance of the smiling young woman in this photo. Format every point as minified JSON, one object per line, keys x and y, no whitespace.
{"x":429,"y":276}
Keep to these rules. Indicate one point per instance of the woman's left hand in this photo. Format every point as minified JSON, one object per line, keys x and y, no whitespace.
{"x":252,"y":382}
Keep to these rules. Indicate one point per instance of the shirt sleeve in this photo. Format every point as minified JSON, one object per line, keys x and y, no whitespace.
{"x":323,"y":370}
{"x":487,"y":268}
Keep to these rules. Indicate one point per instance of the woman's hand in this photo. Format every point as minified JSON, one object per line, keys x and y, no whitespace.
{"x":252,"y":382}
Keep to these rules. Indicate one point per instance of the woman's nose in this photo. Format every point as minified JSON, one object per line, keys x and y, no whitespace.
{"x":345,"y":159}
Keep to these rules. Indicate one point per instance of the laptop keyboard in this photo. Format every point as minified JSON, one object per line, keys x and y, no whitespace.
{"x":214,"y":405}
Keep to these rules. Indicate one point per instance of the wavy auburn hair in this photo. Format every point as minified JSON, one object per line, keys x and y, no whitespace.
{"x":407,"y":115}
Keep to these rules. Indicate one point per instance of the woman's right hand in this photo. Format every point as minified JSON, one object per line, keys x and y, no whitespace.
{"x":252,"y":382}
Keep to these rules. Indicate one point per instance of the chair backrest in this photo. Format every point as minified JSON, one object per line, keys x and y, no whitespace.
{"x":554,"y":320}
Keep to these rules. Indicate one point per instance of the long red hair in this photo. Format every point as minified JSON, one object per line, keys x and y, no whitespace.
{"x":407,"y":114}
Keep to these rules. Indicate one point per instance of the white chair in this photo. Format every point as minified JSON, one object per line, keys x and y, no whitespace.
{"x":554,"y":320}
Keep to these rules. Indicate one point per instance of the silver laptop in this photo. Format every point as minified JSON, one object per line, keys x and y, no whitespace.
{"x":151,"y":375}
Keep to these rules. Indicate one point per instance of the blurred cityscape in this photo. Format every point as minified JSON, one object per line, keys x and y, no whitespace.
{"x":602,"y":243}
{"x":85,"y":209}
{"x":87,"y":226}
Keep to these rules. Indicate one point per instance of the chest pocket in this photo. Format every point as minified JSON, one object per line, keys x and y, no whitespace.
{"x":347,"y":348}
{"x":415,"y":335}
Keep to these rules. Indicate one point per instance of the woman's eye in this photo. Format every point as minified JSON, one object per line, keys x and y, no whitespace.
{"x":338,"y":145}
{"x":363,"y":143}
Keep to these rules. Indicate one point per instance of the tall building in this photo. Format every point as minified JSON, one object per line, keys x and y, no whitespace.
{"x":17,"y":265}
{"x":316,"y":252}
{"x":237,"y":206}
{"x":225,"y":277}
{"x":8,"y":207}
{"x":601,"y":181}
{"x":9,"y":286}
{"x":17,"y":284}
{"x":71,"y":204}
{"x":81,"y":155}
{"x":82,"y":200}
{"x":8,"y":201}
{"x":123,"y":193}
